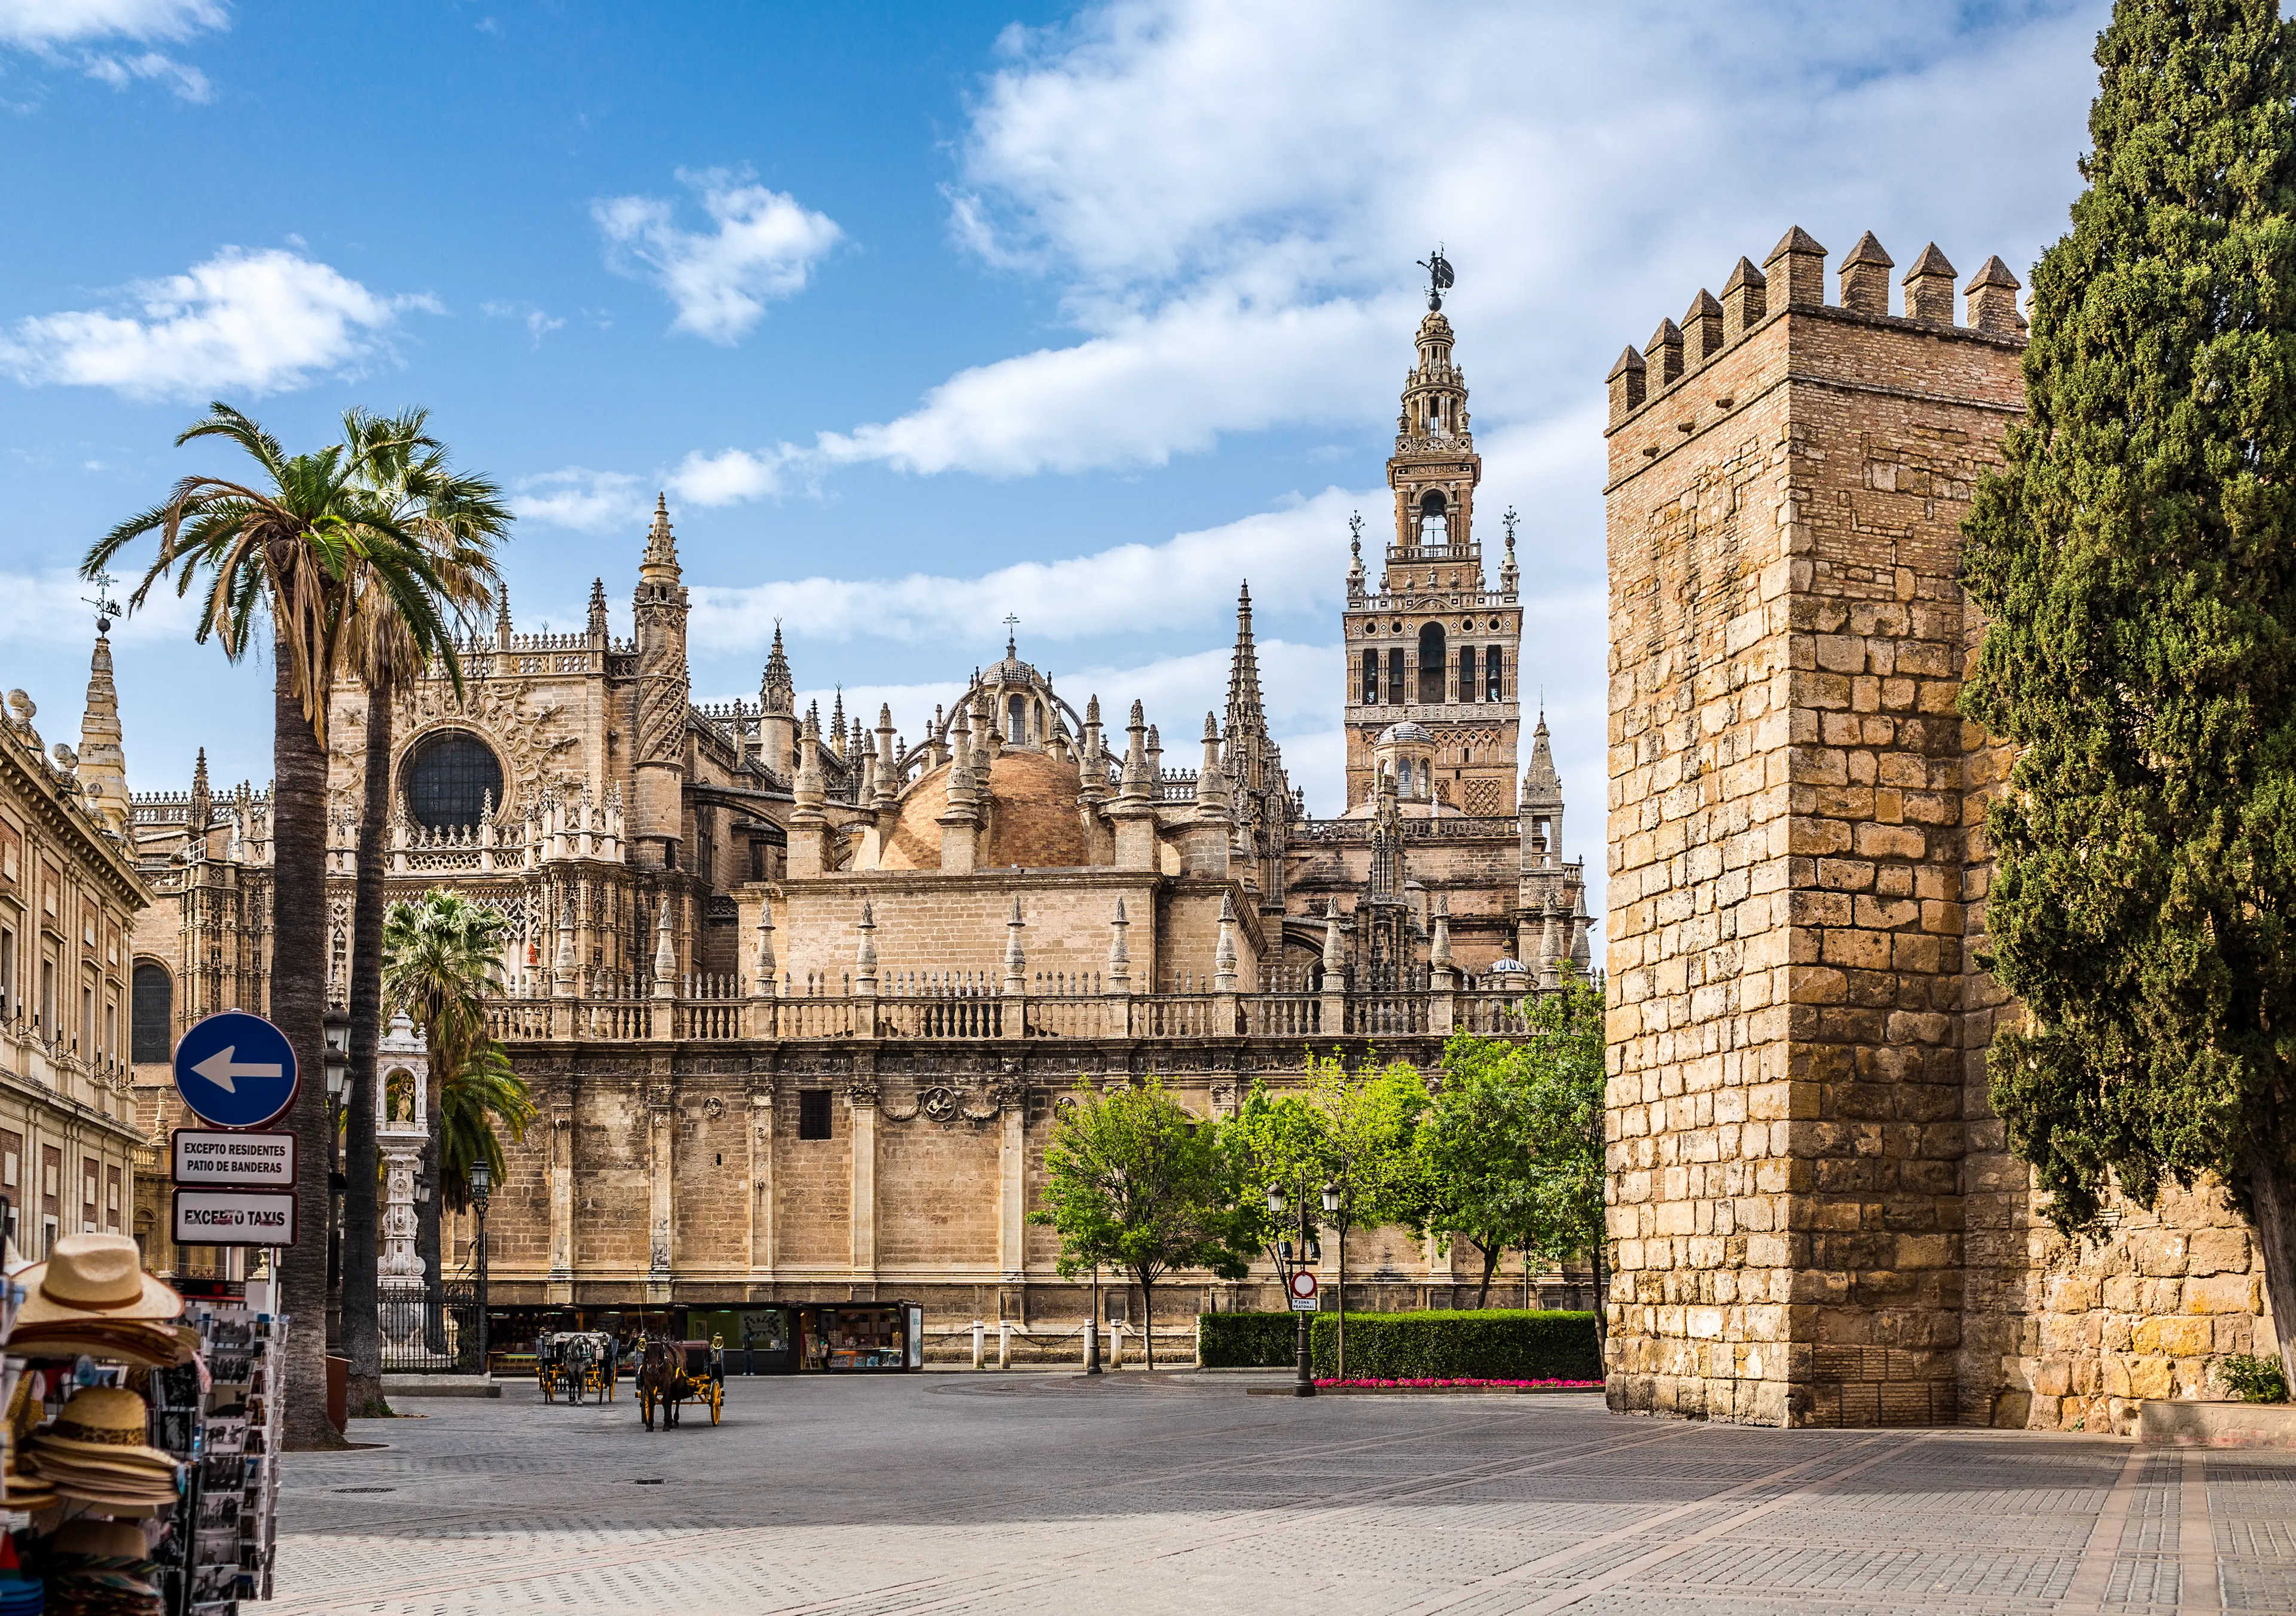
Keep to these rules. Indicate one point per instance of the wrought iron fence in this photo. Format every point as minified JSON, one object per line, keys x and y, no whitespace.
{"x":431,"y":1333}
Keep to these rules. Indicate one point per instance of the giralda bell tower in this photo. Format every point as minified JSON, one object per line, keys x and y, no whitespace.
{"x":1434,"y":645}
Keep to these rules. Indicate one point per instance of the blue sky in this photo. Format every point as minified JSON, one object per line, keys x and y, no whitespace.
{"x":927,"y":313}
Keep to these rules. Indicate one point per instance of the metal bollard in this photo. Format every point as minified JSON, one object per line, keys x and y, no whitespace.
{"x":1003,"y":1343}
{"x":977,"y":1330}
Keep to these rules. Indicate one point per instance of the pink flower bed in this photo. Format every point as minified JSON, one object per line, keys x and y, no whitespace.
{"x":1518,"y":1385}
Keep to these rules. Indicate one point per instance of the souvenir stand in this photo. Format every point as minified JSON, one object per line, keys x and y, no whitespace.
{"x":140,"y":1470}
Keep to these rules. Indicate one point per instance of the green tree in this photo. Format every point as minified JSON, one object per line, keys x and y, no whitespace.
{"x":1475,"y":1163}
{"x":1134,"y":1182}
{"x":441,"y":961}
{"x":1513,"y":1153}
{"x":279,"y":550}
{"x":1346,"y":1131}
{"x":2135,"y":562}
{"x":457,"y":519}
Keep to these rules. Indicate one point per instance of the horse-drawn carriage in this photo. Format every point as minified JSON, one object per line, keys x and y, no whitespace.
{"x":670,"y":1372}
{"x":574,"y":1364}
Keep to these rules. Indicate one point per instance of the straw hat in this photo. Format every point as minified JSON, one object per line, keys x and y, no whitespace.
{"x":101,"y":1428}
{"x":103,"y":1539}
{"x":94,"y":1276}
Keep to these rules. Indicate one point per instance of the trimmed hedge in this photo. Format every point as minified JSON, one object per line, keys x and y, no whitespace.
{"x":1247,"y":1341}
{"x":1497,"y":1344}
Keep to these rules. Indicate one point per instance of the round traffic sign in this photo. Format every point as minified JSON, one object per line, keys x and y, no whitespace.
{"x":1303,"y":1283}
{"x":236,"y":1069}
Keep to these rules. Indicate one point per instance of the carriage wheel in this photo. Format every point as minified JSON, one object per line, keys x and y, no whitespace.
{"x":716,"y":1401}
{"x":549,"y":1394}
{"x":645,"y":1406}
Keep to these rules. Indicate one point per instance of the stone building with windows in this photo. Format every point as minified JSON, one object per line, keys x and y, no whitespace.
{"x":70,"y":897}
{"x":797,"y":998}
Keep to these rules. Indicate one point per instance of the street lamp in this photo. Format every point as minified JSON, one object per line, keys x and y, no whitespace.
{"x":1304,"y":1382}
{"x":336,"y":1059}
{"x":482,"y":1183}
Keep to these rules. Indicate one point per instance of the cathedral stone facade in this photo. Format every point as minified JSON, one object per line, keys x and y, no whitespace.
{"x":1815,"y":1218}
{"x":798,"y":1000}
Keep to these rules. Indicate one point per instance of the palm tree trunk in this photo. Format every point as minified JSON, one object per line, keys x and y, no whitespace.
{"x":362,"y":1321}
{"x":299,"y":1008}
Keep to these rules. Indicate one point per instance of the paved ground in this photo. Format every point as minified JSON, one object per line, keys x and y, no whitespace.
{"x":1038,"y":1493}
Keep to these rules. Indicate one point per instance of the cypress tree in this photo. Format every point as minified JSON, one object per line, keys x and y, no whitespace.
{"x":2135,"y":562}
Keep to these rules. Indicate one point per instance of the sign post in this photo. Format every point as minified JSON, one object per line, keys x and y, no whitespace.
{"x":1302,"y":1287}
{"x":234,"y":1185}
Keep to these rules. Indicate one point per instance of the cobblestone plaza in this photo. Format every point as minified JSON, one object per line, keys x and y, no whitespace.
{"x":1026,"y":1493}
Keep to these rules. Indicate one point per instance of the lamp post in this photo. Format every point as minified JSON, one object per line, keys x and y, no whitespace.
{"x":1289,"y":1260}
{"x":337,"y":1059}
{"x":482,"y":1183}
{"x":1092,"y":1328}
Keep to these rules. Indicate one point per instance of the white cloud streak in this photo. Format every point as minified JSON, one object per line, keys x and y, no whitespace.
{"x":186,"y":82}
{"x":47,"y":22}
{"x":1290,"y":556}
{"x":763,"y":248}
{"x":255,"y":322}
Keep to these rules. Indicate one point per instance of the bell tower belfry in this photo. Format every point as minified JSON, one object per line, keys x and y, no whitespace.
{"x":1434,"y":643}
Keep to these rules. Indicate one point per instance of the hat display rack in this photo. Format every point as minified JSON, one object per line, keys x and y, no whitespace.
{"x":139,"y":1451}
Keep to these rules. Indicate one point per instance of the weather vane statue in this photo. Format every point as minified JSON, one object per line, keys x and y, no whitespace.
{"x":1438,"y":277}
{"x":106,"y":608}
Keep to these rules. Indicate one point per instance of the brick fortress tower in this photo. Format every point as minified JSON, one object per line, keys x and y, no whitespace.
{"x":1793,"y":840}
{"x":1435,"y":646}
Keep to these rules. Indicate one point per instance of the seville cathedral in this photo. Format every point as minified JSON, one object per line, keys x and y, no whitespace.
{"x":797,"y":999}
{"x":797,"y":1002}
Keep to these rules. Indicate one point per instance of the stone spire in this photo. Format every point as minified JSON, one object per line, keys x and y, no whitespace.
{"x":777,"y":691}
{"x":102,"y":765}
{"x":1016,"y":958}
{"x":768,"y":983}
{"x":837,"y":723}
{"x":665,"y":952}
{"x":502,"y":619}
{"x":865,"y":956}
{"x":1120,"y":952}
{"x":597,"y":609}
{"x":1224,"y":959}
{"x":202,"y":807}
{"x":1245,"y":713}
{"x":660,"y":563}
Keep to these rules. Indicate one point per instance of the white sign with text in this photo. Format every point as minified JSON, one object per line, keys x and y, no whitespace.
{"x":214,"y":1158}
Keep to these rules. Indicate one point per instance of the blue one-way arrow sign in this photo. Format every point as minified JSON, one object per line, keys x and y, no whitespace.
{"x":235,"y":1069}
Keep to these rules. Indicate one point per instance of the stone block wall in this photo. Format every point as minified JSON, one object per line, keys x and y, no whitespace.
{"x":1815,"y":1217}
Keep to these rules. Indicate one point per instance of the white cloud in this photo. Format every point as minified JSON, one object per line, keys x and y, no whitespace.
{"x":595,"y":502}
{"x":51,"y":609}
{"x":1230,"y":197}
{"x":187,"y":82}
{"x":538,"y":322}
{"x":258,"y":321}
{"x":762,"y":247}
{"x":44,"y":22}
{"x":729,"y":477}
{"x":1295,"y":558}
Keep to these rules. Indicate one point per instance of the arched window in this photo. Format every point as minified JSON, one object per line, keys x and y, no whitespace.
{"x":1371,"y":678}
{"x":450,"y":775}
{"x":1494,"y":675}
{"x":1016,"y":719}
{"x":1433,"y":663}
{"x":1466,"y":673}
{"x":152,"y":1014}
{"x":1395,"y":691}
{"x":1434,"y":527}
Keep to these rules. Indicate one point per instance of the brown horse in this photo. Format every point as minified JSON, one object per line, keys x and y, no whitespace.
{"x":670,"y":1372}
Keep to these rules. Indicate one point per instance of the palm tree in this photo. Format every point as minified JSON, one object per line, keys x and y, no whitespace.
{"x":457,"y":519}
{"x":281,"y":549}
{"x":441,"y":961}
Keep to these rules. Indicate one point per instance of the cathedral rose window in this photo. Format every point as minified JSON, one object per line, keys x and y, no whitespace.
{"x":449,"y":776}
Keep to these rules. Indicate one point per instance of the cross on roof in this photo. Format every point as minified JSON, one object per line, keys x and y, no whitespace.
{"x":1012,"y":630}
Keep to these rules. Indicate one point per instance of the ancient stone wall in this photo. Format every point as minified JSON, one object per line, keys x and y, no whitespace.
{"x":1814,"y":1218}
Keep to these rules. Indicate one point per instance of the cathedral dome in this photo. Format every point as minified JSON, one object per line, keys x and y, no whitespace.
{"x":1406,"y":731}
{"x":1031,"y":817}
